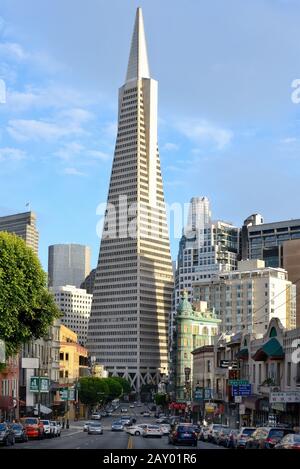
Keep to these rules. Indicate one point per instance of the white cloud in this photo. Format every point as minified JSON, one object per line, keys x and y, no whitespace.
{"x":67,"y":123}
{"x":11,"y":154}
{"x":69,"y":150}
{"x":204,"y":132}
{"x":170,"y":146}
{"x":73,"y":172}
{"x":13,"y":50}
{"x":288,"y":140}
{"x":53,"y":96}
{"x":100,"y":155}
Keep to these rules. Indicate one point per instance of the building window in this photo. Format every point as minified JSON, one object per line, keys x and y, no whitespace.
{"x":61,"y":374}
{"x":208,"y":366}
{"x":61,"y":356}
{"x":66,"y":374}
{"x":253,"y":373}
{"x":67,"y":356}
{"x":259,"y":373}
{"x":288,"y":374}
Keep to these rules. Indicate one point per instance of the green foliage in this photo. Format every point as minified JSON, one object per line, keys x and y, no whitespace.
{"x":124,"y":383}
{"x":160,"y":399}
{"x":115,"y":388}
{"x":27,"y":309}
{"x":93,"y":390}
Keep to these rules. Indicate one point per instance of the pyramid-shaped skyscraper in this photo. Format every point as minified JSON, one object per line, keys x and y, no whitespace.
{"x":128,"y":329}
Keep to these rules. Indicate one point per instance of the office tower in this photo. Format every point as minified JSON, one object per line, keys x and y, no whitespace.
{"x":290,"y":261}
{"x":128,"y":328}
{"x":68,"y":264}
{"x":206,"y":248}
{"x":248,"y":298}
{"x":75,"y":304}
{"x":23,"y":225}
{"x":263,"y":240}
{"x":88,"y":283}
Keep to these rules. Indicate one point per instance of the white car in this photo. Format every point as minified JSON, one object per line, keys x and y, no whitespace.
{"x":124,"y":409}
{"x":152,"y":430}
{"x":86,"y":426}
{"x":136,"y":430}
{"x":95,"y":428}
{"x":131,"y":406}
{"x":165,"y":428}
{"x":48,"y":429}
{"x":56,"y":429}
{"x":96,"y":416}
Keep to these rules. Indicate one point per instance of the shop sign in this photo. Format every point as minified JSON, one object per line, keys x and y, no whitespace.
{"x":288,"y":396}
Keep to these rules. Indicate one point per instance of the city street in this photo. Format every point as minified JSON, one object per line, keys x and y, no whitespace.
{"x":76,"y":438}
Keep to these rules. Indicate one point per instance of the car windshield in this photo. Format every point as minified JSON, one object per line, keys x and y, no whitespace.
{"x":276,"y":433}
{"x":31,"y":421}
{"x":45,"y":422}
{"x":95,"y":424}
{"x":297,"y":438}
{"x":117,"y":423}
{"x":2,"y":426}
{"x":185,"y":429}
{"x":153,"y":427}
{"x":17,"y":426}
{"x":248,"y":431}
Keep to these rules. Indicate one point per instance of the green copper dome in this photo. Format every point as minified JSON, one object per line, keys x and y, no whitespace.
{"x":185,"y":308}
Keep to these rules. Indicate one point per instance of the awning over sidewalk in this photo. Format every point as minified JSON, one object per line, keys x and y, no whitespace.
{"x":243,"y":354}
{"x":271,"y":349}
{"x":44,"y":410}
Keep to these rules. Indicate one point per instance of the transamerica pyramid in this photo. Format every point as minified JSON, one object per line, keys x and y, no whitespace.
{"x":128,"y":328}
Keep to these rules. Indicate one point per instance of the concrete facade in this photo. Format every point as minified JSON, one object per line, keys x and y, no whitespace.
{"x":23,"y":225}
{"x":68,"y":264}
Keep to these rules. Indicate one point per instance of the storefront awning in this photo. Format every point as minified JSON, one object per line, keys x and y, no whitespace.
{"x":271,"y":349}
{"x":243,"y":354}
{"x":44,"y":410}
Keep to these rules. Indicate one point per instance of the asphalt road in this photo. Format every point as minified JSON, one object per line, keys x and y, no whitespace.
{"x":76,"y":438}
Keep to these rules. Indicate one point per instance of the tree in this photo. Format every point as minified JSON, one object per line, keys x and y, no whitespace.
{"x":115,"y":388}
{"x":124,"y":383}
{"x":27,"y":309}
{"x":93,"y":390}
{"x":160,"y":399}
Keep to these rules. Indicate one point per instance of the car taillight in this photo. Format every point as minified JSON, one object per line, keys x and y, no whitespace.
{"x":271,"y":440}
{"x":295,"y":446}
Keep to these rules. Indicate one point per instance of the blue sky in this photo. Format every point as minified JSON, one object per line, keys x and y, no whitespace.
{"x":228,"y":128}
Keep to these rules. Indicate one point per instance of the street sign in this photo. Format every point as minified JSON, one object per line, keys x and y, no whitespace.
{"x":67,"y":394}
{"x":241,"y":390}
{"x":238,"y":382}
{"x":242,"y":409}
{"x":237,"y":399}
{"x":39,"y":384}
{"x":207,"y":393}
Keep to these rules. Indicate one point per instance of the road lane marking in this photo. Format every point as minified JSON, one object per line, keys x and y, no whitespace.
{"x":130,"y":443}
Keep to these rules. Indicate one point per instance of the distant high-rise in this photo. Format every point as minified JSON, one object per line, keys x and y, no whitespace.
{"x":199,"y":213}
{"x":75,"y":304}
{"x":89,"y":282}
{"x":23,"y":225}
{"x":68,"y":264}
{"x":128,"y":328}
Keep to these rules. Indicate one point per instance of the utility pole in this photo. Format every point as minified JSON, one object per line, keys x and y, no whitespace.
{"x":39,"y":392}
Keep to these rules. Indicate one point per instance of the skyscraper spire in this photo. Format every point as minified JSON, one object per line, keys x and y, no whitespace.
{"x":138,"y":66}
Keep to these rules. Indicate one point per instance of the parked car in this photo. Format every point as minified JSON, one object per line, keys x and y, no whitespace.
{"x":7,"y":436}
{"x":289,"y":441}
{"x":152,"y":430}
{"x":19,"y":432}
{"x":34,"y":427}
{"x":183,"y":433}
{"x":139,"y":404}
{"x":48,"y":429}
{"x":124,"y":409}
{"x":266,"y":437}
{"x":243,"y":435}
{"x":136,"y":430}
{"x":56,"y":427}
{"x":96,"y":416}
{"x":146,"y":414}
{"x":131,"y":406}
{"x":117,"y":426}
{"x":86,"y":426}
{"x":95,"y":428}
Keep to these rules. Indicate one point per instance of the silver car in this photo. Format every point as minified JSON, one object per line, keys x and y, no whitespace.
{"x":95,"y":428}
{"x":117,"y":426}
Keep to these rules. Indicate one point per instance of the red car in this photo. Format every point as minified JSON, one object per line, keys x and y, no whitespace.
{"x":34,"y":427}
